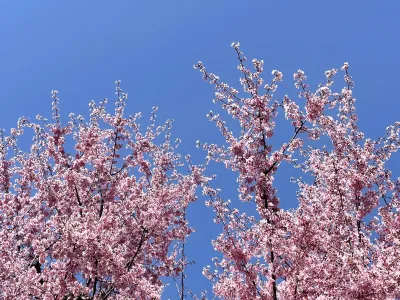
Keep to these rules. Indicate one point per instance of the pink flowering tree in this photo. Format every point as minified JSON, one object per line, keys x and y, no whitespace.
{"x":94,"y":210}
{"x":343,"y":239}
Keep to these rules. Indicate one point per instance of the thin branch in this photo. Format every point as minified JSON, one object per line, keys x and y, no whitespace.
{"x":142,"y":238}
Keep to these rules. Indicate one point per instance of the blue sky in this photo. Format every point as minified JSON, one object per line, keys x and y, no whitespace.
{"x":82,"y":47}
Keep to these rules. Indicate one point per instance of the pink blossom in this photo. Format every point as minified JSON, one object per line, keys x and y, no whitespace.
{"x":96,"y":221}
{"x":328,"y":247}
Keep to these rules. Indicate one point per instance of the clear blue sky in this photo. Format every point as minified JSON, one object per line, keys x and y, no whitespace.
{"x":82,"y":47}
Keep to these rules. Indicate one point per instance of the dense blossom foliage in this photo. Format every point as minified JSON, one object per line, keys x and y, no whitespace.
{"x":93,"y":210}
{"x":343,"y":239}
{"x":97,"y":209}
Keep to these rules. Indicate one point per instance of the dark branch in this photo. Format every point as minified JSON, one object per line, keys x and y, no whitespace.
{"x":142,"y":238}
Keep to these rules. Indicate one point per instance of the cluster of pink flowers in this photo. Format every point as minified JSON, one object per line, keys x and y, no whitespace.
{"x":105,"y":216}
{"x":93,"y":221}
{"x":343,"y":239}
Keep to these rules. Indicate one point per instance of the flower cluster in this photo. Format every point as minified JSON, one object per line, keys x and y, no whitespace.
{"x":97,"y":220}
{"x":342,"y":241}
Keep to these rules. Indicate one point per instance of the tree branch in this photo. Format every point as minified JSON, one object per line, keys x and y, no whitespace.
{"x":142,"y":238}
